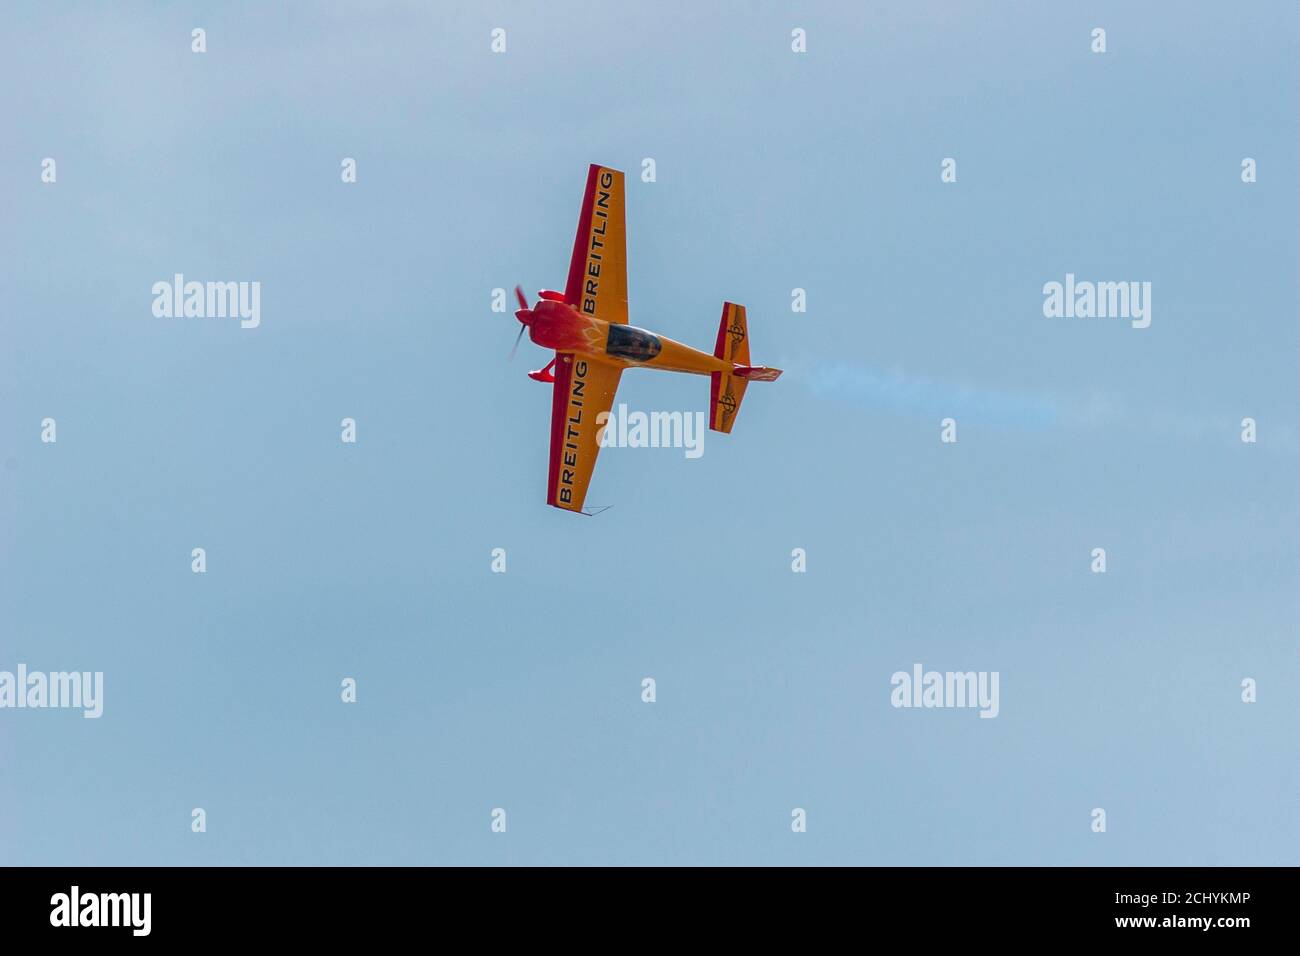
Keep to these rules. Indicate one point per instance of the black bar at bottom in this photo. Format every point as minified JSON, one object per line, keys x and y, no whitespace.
{"x":91,"y":905}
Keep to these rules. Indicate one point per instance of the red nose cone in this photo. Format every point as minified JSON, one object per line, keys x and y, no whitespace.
{"x":524,"y":315}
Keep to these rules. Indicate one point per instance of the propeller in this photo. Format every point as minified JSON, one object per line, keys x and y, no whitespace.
{"x":523,"y":307}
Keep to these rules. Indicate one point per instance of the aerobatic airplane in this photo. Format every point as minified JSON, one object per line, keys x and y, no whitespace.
{"x":587,"y":326}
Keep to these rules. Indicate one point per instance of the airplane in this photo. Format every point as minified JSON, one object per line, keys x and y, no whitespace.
{"x":586,"y":325}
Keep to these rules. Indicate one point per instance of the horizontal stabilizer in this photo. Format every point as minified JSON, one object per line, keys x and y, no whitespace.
{"x":756,"y":373}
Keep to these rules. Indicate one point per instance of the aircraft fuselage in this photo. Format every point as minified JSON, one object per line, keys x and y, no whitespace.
{"x":557,"y":325}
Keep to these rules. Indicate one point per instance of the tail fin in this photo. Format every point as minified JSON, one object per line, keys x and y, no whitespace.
{"x":728,"y":388}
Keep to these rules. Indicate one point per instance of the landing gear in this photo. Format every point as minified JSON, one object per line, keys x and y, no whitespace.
{"x":543,"y":374}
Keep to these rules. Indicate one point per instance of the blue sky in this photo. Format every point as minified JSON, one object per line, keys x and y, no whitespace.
{"x":522,"y":691}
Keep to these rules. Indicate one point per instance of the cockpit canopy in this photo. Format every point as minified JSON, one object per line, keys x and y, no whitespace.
{"x":631,"y":343}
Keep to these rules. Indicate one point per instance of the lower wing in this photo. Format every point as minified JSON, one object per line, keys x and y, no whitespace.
{"x":584,"y":388}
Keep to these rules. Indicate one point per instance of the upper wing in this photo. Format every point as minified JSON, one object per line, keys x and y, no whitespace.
{"x":598,"y":270}
{"x":583,"y":389}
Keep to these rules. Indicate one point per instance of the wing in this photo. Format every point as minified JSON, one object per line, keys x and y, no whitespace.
{"x":598,"y":270}
{"x":583,"y":389}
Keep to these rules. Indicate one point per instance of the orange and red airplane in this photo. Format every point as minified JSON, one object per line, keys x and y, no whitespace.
{"x":587,"y":326}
